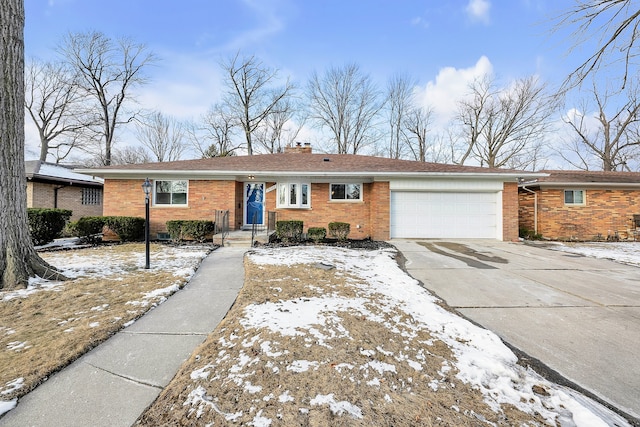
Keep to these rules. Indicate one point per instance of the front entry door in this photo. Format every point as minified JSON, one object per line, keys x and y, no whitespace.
{"x":253,"y":203}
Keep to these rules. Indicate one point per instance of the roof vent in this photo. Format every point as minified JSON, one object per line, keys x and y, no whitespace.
{"x":326,"y":159}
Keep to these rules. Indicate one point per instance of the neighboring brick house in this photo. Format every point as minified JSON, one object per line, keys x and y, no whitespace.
{"x":581,"y":205}
{"x":56,"y":186}
{"x":381,"y":198}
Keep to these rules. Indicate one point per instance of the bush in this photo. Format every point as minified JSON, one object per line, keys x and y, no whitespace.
{"x":289,"y":231}
{"x":128,"y":228}
{"x":197,"y":230}
{"x":46,"y":224}
{"x":317,"y":233}
{"x":527,"y":234}
{"x":339,"y":230}
{"x":88,"y":228}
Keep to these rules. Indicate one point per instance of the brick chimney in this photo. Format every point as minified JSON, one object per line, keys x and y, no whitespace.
{"x":298,"y":148}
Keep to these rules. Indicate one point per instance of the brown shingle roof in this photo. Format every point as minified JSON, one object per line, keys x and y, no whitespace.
{"x":295,"y":162}
{"x":589,"y":177}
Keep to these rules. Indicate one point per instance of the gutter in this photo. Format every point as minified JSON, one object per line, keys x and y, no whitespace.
{"x":535,"y":207}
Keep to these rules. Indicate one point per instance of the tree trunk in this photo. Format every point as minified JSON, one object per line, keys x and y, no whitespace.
{"x":18,"y":258}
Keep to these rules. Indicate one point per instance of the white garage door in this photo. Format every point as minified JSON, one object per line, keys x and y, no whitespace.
{"x":443,"y":215}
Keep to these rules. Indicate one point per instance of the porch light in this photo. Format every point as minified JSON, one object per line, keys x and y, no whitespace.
{"x":146,"y":187}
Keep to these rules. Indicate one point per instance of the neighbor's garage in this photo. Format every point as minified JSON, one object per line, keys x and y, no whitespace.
{"x":446,"y":214}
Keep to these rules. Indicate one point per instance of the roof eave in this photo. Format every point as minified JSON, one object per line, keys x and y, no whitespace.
{"x":231,"y":174}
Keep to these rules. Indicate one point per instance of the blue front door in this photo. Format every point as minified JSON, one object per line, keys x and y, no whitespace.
{"x":253,"y":203}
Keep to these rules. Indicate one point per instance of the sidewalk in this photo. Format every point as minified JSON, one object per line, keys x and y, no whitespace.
{"x":115,"y":382}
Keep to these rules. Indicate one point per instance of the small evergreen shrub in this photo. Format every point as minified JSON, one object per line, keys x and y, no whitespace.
{"x":46,"y":224}
{"x":339,"y":230}
{"x":128,"y":228}
{"x":88,"y":228}
{"x":317,"y":233}
{"x":289,"y":231}
{"x":197,"y":230}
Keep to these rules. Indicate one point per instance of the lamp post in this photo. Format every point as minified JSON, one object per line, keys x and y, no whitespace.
{"x":146,"y":187}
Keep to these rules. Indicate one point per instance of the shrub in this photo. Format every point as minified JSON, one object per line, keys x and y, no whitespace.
{"x":88,"y":228}
{"x":289,"y":231}
{"x":128,"y":228}
{"x":197,"y":230}
{"x":317,"y":233}
{"x":339,"y":230}
{"x":527,"y":234}
{"x":46,"y":224}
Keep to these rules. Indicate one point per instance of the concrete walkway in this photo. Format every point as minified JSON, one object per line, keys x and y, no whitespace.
{"x":114,"y":383}
{"x":580,"y":316}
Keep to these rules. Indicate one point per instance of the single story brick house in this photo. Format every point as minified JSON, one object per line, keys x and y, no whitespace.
{"x":582,"y":205}
{"x":380,"y":198}
{"x":56,"y":186}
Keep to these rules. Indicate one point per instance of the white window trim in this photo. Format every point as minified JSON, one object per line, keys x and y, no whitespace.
{"x":287,"y":202}
{"x":170,"y":205}
{"x":584,"y":197}
{"x":331,"y":199}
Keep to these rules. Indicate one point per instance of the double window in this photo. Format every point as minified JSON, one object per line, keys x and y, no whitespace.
{"x":171,"y":192}
{"x":574,"y":197}
{"x":350,"y":192}
{"x":294,"y":195}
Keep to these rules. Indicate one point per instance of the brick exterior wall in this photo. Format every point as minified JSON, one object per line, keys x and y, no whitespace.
{"x":606,"y":212}
{"x":371,"y":214}
{"x":42,"y":195}
{"x":369,"y":218}
{"x":510,"y":212}
{"x":124,"y":197}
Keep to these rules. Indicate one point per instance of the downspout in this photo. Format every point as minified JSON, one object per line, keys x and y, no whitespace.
{"x":55,"y":195}
{"x":535,"y":207}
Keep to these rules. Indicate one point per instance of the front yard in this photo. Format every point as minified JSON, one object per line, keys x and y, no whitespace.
{"x":318,"y":336}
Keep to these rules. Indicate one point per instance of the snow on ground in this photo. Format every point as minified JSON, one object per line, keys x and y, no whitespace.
{"x":107,"y":262}
{"x":482,"y":360}
{"x":623,"y":252}
{"x":104,"y":262}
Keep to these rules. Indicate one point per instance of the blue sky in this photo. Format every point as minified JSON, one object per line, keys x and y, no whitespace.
{"x":442,"y":44}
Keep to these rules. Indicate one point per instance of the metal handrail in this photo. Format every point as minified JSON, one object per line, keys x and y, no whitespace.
{"x":222,"y":225}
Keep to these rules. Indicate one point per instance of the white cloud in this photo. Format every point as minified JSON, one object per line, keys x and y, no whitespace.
{"x":451,"y":85}
{"x":478,"y":10}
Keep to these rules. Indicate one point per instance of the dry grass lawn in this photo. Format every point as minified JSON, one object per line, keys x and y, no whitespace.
{"x":45,"y":330}
{"x":240,"y":376}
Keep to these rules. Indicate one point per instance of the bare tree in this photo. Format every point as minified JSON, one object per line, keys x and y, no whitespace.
{"x":346,"y":102}
{"x":107,"y":71}
{"x":52,"y":101}
{"x":18,"y":258}
{"x":613,"y":141}
{"x":131,"y":155}
{"x":416,"y":122}
{"x":162,"y":135}
{"x":504,"y":127}
{"x":212,"y":136}
{"x":400,"y":104}
{"x":615,"y":24}
{"x":252,"y":94}
{"x":281,"y":127}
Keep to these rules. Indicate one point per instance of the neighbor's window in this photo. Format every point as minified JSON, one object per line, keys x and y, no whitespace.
{"x":346,"y":192}
{"x":574,"y":197}
{"x":294,"y":195}
{"x":171,"y":192}
{"x":91,"y":196}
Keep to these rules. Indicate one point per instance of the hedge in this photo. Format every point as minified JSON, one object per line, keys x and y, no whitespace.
{"x":339,"y":230}
{"x":128,"y":228}
{"x":197,"y":230}
{"x":88,"y":228}
{"x":289,"y":231}
{"x":46,"y":224}
{"x":317,"y":233}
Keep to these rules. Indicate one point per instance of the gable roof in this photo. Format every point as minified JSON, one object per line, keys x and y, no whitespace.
{"x":301,"y":164}
{"x":585,"y":179}
{"x":36,"y":170}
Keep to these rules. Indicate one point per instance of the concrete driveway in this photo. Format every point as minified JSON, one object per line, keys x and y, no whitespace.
{"x":579,"y":316}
